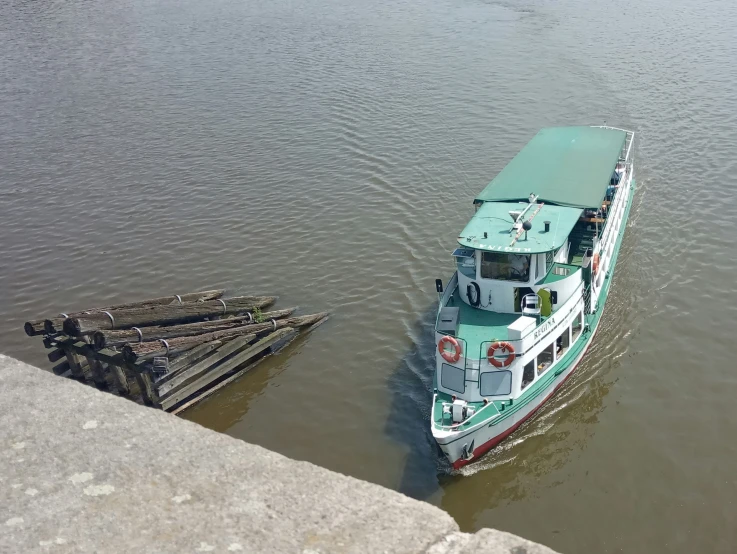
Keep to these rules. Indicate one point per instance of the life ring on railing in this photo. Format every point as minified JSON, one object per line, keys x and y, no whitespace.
{"x":447,"y":356}
{"x":504,"y":347}
{"x":595,"y":266}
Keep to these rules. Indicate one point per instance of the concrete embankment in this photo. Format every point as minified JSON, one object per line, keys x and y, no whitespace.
{"x":85,"y":471}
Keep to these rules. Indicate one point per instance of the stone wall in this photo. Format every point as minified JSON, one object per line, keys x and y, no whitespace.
{"x":84,"y":471}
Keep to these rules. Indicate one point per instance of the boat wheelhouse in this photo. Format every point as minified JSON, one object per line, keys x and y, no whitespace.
{"x":534,"y":267}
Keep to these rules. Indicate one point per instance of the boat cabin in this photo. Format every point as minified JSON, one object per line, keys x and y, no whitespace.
{"x":530,"y":263}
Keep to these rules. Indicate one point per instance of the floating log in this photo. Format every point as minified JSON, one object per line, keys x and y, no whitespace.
{"x":160,"y":315}
{"x":134,"y":352}
{"x":111,"y":338}
{"x":224,"y":368}
{"x":142,"y":351}
{"x":55,"y":325}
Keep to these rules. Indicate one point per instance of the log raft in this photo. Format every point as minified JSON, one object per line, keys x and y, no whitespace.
{"x":159,"y":315}
{"x":110,"y":338}
{"x":53,"y":325}
{"x":169,"y":352}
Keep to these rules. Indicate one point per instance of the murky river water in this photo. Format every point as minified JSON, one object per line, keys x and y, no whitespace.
{"x":328,"y":151}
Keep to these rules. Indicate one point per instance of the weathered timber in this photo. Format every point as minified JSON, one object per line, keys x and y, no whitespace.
{"x":189,"y":357}
{"x":110,"y":338}
{"x":199,"y":398}
{"x":56,"y":324}
{"x":116,"y":362}
{"x":56,"y":355}
{"x":133,"y":387}
{"x":40,"y":326}
{"x":50,"y":341}
{"x":224,"y":368}
{"x":147,"y":389}
{"x":77,"y":364}
{"x":160,"y":315}
{"x":97,"y":372}
{"x":140,"y":351}
{"x":119,"y":379}
{"x":61,"y":368}
{"x":318,"y":323}
{"x":194,"y":371}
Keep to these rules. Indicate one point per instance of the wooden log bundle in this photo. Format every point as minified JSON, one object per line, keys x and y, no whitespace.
{"x":52,"y":325}
{"x":160,"y":315}
{"x":169,"y":352}
{"x":110,"y":338}
{"x":139,"y":351}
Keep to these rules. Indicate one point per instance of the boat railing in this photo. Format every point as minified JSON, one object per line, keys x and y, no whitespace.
{"x":446,"y":295}
{"x":629,"y":138}
{"x":564,"y":311}
{"x":588,"y":308}
{"x":489,"y":410}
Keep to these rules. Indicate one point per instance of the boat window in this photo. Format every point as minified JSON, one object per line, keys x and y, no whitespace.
{"x":545,"y":359}
{"x":576,"y":327}
{"x":549,"y":256}
{"x":528,"y":374}
{"x":562,"y":343}
{"x":496,"y":383}
{"x":507,"y":267}
{"x":453,"y":378}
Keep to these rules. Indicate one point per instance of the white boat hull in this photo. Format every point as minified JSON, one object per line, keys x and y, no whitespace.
{"x":462,"y":448}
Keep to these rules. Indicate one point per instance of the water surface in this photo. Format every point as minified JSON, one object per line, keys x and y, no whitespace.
{"x":328,"y":151}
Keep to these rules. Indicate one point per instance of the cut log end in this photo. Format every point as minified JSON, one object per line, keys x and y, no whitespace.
{"x":33,"y":328}
{"x":72,"y":327}
{"x":53,"y":325}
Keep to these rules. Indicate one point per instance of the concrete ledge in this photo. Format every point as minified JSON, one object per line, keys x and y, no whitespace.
{"x":84,"y":471}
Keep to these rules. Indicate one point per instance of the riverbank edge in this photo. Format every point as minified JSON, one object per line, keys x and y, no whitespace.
{"x":84,"y":471}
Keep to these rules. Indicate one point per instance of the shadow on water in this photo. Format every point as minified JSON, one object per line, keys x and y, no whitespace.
{"x":411,"y":386}
{"x":513,"y":470}
{"x":228,"y":406}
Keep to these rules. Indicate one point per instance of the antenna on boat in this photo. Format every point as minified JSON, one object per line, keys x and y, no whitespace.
{"x":525,"y":226}
{"x":517,"y":215}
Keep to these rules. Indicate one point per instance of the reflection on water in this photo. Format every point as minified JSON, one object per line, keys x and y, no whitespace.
{"x":328,"y":151}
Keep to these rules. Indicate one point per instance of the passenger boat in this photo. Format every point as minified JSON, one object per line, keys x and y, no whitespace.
{"x":533,"y":270}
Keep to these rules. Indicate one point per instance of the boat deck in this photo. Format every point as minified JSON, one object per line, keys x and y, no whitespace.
{"x":476,"y":326}
{"x":559,"y":271}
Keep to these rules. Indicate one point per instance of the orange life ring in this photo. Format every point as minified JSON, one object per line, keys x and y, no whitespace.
{"x":596,"y":263}
{"x":447,"y":356}
{"x":505,"y":347}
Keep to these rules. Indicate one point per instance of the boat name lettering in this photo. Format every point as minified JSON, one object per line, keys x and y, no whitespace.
{"x":544,"y":328}
{"x":505,"y":248}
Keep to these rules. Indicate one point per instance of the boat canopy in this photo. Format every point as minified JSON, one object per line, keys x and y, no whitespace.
{"x":491,"y":228}
{"x":567,"y":166}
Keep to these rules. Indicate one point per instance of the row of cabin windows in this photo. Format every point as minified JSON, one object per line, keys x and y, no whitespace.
{"x":555,"y":350}
{"x":499,"y":383}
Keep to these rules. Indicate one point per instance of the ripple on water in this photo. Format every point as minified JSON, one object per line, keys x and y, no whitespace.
{"x":328,"y":151}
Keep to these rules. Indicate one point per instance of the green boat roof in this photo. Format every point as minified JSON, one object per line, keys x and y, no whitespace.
{"x":493,"y":219}
{"x":567,"y":166}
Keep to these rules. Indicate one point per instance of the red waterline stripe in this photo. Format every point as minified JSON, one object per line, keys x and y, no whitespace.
{"x":484,"y":448}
